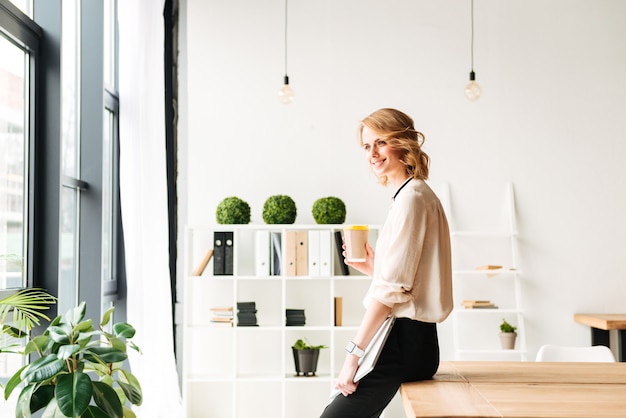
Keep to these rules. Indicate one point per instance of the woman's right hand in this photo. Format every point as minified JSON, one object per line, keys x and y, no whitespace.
{"x":366,"y":267}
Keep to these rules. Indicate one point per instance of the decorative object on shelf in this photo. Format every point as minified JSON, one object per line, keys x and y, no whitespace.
{"x":329,"y":210}
{"x":233,"y":210}
{"x":286,"y":94}
{"x":295,"y":318}
{"x":305,"y":357}
{"x":472,"y":91}
{"x":507,"y":335}
{"x":279,"y":209}
{"x":58,"y":382}
{"x":478,"y":304}
{"x":246,"y":314}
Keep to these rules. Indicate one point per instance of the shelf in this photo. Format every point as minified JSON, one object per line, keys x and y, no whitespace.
{"x":226,"y":367}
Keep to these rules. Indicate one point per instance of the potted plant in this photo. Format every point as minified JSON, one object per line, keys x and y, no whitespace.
{"x":279,"y":209}
{"x":305,"y":357}
{"x":507,"y":335}
{"x":79,"y":371}
{"x":329,"y":210}
{"x":233,"y":210}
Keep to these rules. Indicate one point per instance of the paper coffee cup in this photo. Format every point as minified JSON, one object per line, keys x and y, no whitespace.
{"x":355,"y":238}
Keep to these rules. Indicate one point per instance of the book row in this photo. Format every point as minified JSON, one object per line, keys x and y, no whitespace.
{"x":292,"y":253}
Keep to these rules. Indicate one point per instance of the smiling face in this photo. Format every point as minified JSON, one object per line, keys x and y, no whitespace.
{"x":383,"y":159}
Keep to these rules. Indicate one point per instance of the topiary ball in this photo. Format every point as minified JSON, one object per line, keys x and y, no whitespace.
{"x":233,"y":210}
{"x":279,"y":209}
{"x":329,"y":210}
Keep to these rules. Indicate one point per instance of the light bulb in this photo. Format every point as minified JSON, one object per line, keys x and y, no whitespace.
{"x":472,"y":91}
{"x":286,"y":94}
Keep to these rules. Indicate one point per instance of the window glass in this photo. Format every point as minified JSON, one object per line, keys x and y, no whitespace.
{"x":13,"y":164}
{"x":26,"y":6}
{"x":107,"y":195}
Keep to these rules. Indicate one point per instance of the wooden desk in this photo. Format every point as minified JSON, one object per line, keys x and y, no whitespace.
{"x":601,"y":325}
{"x":519,"y":389}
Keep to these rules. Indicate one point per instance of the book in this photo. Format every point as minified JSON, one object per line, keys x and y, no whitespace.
{"x":339,"y":248}
{"x":325,"y":253}
{"x":262,"y":253}
{"x":276,"y":254}
{"x":228,"y":253}
{"x":218,"y":253}
{"x":314,"y":253}
{"x":338,"y":311}
{"x":205,"y":261}
{"x":290,"y":246}
{"x":302,"y":253}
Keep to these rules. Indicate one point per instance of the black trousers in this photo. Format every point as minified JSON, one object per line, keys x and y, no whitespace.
{"x":410,"y":353}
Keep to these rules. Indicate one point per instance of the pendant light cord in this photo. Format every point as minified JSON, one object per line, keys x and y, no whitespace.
{"x":472,"y":44}
{"x":286,"y":10}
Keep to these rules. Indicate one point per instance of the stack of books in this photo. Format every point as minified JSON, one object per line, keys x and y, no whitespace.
{"x":222,"y":316}
{"x":295,"y":317}
{"x":246,"y":314}
{"x":478,"y":304}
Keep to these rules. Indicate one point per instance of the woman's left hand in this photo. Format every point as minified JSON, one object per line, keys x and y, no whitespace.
{"x":345,"y":382}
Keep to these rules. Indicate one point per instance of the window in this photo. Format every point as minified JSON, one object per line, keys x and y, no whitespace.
{"x":60,"y":227}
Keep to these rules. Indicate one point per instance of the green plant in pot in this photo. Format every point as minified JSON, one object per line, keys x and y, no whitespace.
{"x":508,"y":335}
{"x":80,"y":370}
{"x":232,"y":210}
{"x":329,"y":210}
{"x":305,"y":357}
{"x":279,"y":209}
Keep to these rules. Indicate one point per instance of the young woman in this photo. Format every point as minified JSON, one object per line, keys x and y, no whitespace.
{"x":411,"y":272}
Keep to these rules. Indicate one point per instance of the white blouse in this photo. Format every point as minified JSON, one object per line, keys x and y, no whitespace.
{"x":412,"y":264}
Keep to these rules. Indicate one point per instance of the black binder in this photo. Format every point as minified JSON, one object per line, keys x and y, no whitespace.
{"x":228,"y":253}
{"x":218,"y":253}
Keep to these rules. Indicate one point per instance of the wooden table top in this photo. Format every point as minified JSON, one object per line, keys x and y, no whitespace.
{"x":602,"y":321}
{"x":519,"y":389}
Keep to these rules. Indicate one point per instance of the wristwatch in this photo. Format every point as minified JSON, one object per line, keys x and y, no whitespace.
{"x":352,"y":348}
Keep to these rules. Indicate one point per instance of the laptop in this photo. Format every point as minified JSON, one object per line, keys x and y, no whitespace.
{"x":372,"y":352}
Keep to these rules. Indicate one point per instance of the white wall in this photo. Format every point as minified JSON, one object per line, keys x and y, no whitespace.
{"x":551,"y":120}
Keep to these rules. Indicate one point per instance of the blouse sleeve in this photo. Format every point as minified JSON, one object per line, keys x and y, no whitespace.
{"x":396,"y":270}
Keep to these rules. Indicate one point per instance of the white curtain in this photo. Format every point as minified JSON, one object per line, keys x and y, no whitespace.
{"x":144,"y":204}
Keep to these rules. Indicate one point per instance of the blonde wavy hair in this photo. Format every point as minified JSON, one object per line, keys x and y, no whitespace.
{"x":397,"y":130}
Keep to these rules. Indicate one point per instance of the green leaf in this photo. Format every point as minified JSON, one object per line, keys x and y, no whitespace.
{"x":131,"y":387}
{"x":94,"y":412}
{"x":106,"y":317}
{"x":128,"y":413}
{"x":73,"y":393}
{"x":84,"y":326}
{"x":60,"y":334}
{"x":43,"y":368}
{"x":107,"y":400}
{"x":124,"y":329}
{"x":13,"y":332}
{"x":75,"y":315}
{"x":68,"y":351}
{"x":39,"y":344}
{"x":41,"y":397}
{"x":22,"y":408}
{"x":27,"y":306}
{"x":105,"y":354}
{"x":52,"y":410}
{"x":13,"y":382}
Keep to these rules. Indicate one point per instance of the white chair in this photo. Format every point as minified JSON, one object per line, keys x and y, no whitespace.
{"x":597,"y":353}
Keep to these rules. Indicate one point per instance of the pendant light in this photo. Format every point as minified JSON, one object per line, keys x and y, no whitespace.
{"x":472,"y":91}
{"x":286,"y":94}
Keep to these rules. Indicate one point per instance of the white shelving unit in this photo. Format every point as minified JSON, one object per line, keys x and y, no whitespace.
{"x":249,"y":371}
{"x":476,"y":330}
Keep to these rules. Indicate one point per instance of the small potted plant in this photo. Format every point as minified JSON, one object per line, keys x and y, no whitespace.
{"x":279,"y":209}
{"x":329,"y":210}
{"x":507,"y":335}
{"x":233,"y":210}
{"x":305,"y":357}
